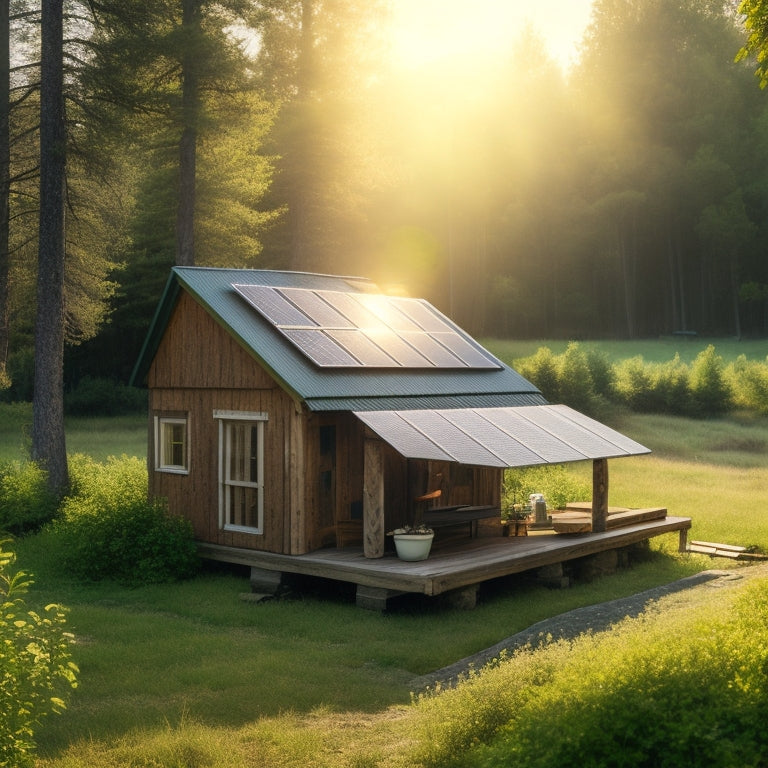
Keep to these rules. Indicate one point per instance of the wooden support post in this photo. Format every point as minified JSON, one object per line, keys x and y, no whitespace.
{"x":373,"y":498}
{"x":599,"y":495}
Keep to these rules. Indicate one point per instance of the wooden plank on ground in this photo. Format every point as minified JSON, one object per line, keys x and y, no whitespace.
{"x":731,"y":551}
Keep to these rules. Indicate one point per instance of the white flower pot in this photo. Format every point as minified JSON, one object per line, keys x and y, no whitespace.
{"x":413,"y":546}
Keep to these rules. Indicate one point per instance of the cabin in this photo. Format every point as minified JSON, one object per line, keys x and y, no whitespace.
{"x":296,"y":418}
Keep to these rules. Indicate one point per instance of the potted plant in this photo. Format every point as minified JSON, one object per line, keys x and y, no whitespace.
{"x":515,"y":517}
{"x":515,"y":512}
{"x":413,"y":542}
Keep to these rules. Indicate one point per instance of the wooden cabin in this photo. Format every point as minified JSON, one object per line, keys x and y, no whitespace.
{"x":291,"y":412}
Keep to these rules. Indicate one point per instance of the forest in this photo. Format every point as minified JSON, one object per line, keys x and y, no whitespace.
{"x":623,"y":197}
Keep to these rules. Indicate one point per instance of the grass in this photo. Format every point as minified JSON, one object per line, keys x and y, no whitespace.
{"x":99,"y":437}
{"x":188,"y":675}
{"x":651,"y":350}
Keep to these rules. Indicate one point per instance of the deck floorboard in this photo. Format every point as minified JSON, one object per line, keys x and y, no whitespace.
{"x":453,"y":566}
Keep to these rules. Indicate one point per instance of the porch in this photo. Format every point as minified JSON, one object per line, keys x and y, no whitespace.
{"x":458,"y":566}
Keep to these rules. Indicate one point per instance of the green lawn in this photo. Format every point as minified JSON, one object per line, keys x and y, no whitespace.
{"x":98,"y":437}
{"x":651,"y":350}
{"x":171,"y":674}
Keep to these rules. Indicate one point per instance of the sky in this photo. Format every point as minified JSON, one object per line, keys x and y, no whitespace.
{"x":427,"y":31}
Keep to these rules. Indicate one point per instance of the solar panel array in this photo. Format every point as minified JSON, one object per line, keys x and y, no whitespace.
{"x":363,"y":330}
{"x":499,"y":437}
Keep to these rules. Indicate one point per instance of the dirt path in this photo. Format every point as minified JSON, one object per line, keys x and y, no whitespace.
{"x":569,"y":625}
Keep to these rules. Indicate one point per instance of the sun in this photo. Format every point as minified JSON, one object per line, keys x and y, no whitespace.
{"x":427,"y":32}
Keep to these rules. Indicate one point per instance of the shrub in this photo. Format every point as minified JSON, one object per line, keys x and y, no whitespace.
{"x":710,"y":393}
{"x":26,"y":504}
{"x":541,"y":370}
{"x":110,"y":530}
{"x":672,"y":388}
{"x":602,"y":373}
{"x":102,"y":397}
{"x":575,"y":379}
{"x":558,"y":484}
{"x":38,"y":671}
{"x":633,"y":385}
{"x":749,"y":384}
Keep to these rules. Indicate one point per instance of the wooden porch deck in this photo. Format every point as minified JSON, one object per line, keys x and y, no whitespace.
{"x":458,"y":566}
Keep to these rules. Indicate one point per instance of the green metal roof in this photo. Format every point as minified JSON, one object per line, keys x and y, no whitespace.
{"x":322,"y":389}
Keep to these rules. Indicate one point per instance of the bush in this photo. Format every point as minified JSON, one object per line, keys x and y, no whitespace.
{"x":633,"y":385}
{"x":602,"y":373}
{"x":575,"y":379}
{"x":749,"y":384}
{"x":673,"y":391}
{"x":710,"y":393}
{"x":558,"y":484}
{"x":26,"y":504}
{"x":541,"y":370}
{"x":38,"y":671}
{"x":102,"y":397}
{"x":110,"y":530}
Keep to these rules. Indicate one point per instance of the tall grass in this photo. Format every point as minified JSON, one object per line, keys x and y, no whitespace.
{"x":99,"y":437}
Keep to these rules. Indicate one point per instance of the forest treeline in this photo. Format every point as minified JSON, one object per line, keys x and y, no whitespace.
{"x":626,"y":197}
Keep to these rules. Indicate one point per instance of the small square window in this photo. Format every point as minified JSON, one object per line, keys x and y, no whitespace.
{"x":171,"y":444}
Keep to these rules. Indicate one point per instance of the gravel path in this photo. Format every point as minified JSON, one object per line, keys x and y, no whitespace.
{"x":569,"y":625}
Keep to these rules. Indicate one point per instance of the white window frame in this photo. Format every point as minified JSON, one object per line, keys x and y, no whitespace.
{"x":227,"y":419}
{"x":163,"y":462}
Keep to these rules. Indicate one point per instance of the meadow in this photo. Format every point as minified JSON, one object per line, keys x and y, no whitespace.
{"x":187,"y":674}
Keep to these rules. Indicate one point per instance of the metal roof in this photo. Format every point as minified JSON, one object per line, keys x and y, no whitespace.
{"x":499,"y":437}
{"x":326,"y":388}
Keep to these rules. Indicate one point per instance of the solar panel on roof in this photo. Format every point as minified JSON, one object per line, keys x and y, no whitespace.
{"x":365,"y":351}
{"x":389,"y":311}
{"x":338,"y":329}
{"x":275,"y":307}
{"x":319,"y":348}
{"x":316,"y":308}
{"x":398,"y":348}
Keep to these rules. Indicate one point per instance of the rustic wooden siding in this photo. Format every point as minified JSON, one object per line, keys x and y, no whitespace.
{"x":196,"y":352}
{"x":199,"y":368}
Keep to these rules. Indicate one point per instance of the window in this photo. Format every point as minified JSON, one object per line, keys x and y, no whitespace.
{"x":171,"y":444}
{"x":241,"y":470}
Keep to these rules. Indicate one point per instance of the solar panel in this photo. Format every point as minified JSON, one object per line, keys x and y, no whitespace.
{"x":316,"y":308}
{"x":319,"y":348}
{"x":360,"y":345}
{"x":388,"y":311}
{"x":275,"y":307}
{"x":337,"y":329}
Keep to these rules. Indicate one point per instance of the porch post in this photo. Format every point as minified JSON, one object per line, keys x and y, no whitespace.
{"x":373,"y":498}
{"x":599,"y":495}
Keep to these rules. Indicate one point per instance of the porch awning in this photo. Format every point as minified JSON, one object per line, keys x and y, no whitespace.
{"x":518,"y":436}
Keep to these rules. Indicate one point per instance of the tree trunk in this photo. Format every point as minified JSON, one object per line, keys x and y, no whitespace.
{"x":185,"y":217}
{"x":5,"y":186}
{"x":48,"y":444}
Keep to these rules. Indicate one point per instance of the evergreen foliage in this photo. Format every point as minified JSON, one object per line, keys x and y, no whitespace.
{"x":705,"y":389}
